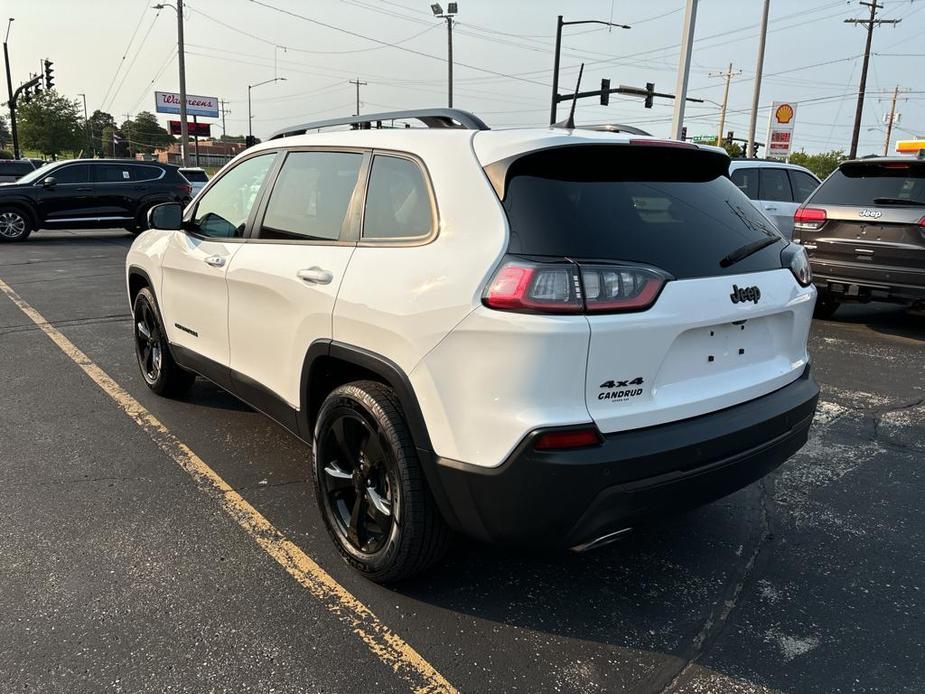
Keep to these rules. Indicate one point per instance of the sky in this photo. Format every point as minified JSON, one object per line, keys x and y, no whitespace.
{"x":118,"y":52}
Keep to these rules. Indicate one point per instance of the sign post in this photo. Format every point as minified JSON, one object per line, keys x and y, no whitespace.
{"x":780,"y":130}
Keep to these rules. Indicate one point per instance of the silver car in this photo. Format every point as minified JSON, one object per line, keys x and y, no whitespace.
{"x":774,"y":187}
{"x":197,"y":178}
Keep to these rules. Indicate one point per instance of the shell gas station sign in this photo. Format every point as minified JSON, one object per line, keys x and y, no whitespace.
{"x":780,"y":130}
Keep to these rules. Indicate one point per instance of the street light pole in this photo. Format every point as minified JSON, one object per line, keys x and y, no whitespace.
{"x":756,"y":94}
{"x":684,"y":69}
{"x":9,"y":87}
{"x":451,"y":10}
{"x":87,"y":125}
{"x":250,"y":118}
{"x":555,"y":65}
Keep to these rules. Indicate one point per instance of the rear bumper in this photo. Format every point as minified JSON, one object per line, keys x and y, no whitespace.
{"x":565,"y":498}
{"x":853,"y":282}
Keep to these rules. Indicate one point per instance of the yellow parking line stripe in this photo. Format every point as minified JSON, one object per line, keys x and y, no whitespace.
{"x":388,"y":646}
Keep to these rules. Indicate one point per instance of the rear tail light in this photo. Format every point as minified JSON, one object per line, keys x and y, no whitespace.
{"x":567,"y":438}
{"x":664,"y":143}
{"x":566,"y":287}
{"x":794,"y":256}
{"x":809,"y":218}
{"x":186,"y":188}
{"x":921,"y":224}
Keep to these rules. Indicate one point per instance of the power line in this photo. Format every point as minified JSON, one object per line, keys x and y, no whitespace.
{"x":141,"y":45}
{"x":122,"y":59}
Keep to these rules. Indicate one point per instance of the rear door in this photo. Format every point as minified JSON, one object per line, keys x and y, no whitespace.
{"x":113,"y":193}
{"x":719,"y":333}
{"x":283,"y":283}
{"x":776,"y":198}
{"x":873,"y":231}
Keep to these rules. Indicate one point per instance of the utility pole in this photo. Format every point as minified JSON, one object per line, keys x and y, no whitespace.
{"x":359,"y":84}
{"x":181,"y":60}
{"x":728,"y":74}
{"x":891,"y":121}
{"x":9,"y":86}
{"x":859,"y":109}
{"x":756,"y":93}
{"x":684,"y":68}
{"x":87,"y":126}
{"x":553,"y":117}
{"x":451,"y":10}
{"x":224,"y":113}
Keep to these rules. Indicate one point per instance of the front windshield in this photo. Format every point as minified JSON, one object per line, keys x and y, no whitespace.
{"x":39,"y":173}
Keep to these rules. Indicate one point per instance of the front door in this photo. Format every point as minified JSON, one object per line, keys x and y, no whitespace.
{"x":69,"y":201}
{"x":194,"y":295}
{"x":283,"y":283}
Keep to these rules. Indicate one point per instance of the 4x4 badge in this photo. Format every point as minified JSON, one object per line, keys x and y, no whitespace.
{"x":744,"y":294}
{"x":873,"y":214}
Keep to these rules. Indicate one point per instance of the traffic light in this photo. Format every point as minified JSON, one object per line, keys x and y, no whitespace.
{"x":684,"y":133}
{"x":650,"y":93}
{"x":605,"y":92}
{"x":729,"y":137}
{"x":754,"y":150}
{"x":49,"y":75}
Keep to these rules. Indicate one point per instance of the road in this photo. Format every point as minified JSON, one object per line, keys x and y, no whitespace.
{"x":120,"y":574}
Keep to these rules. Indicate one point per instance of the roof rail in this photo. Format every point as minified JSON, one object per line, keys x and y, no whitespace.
{"x":431,"y":117}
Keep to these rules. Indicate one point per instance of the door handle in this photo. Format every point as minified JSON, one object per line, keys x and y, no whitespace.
{"x":770,"y":208}
{"x":315,"y":275}
{"x":83,"y":189}
{"x":215,"y":260}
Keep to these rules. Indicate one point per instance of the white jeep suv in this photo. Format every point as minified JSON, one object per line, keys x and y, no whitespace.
{"x":535,"y":337}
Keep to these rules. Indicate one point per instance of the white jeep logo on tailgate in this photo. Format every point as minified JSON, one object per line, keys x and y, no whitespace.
{"x":873,"y":214}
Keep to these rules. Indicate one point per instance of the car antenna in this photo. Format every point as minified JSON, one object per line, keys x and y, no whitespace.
{"x":569,"y":123}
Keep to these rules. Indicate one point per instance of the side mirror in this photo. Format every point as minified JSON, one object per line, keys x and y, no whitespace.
{"x":167,"y":215}
{"x":50,"y":182}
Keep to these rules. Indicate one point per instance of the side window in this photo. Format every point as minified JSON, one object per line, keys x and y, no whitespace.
{"x":145,"y":173}
{"x":803,"y":185}
{"x":76,"y":173}
{"x":311,"y":196}
{"x":222,"y":212}
{"x":747,"y":181}
{"x":775,"y":185}
{"x":397,"y":200}
{"x":111,"y":173}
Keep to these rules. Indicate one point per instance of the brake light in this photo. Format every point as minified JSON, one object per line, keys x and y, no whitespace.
{"x":809,"y":218}
{"x":186,"y":188}
{"x":566,"y":287}
{"x":664,"y":143}
{"x":569,"y":438}
{"x":921,"y":224}
{"x":534,"y":287}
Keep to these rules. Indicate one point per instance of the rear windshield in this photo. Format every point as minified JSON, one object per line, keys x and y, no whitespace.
{"x":669,"y":207}
{"x":860,"y":184}
{"x":18,"y":168}
{"x":195,"y":176}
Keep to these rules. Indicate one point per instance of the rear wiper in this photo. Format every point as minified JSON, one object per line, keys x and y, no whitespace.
{"x":897,"y":201}
{"x":746,"y":250}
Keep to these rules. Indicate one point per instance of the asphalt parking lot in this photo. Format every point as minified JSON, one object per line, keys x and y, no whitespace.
{"x":119,"y":574}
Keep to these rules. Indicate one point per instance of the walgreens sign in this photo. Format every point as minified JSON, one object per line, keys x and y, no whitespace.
{"x":169,"y":102}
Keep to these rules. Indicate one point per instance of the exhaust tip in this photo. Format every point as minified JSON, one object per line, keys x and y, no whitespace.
{"x":601,"y":541}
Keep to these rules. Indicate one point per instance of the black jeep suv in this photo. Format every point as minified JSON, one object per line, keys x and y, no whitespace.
{"x":88,"y":193}
{"x":864,"y":231}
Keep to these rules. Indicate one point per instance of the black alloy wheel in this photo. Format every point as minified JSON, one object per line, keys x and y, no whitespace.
{"x":358,"y":480}
{"x":148,"y":343}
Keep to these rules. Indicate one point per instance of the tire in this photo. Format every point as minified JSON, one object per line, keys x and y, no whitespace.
{"x":15,"y":224}
{"x":141,"y":221}
{"x":160,"y":372}
{"x":826,"y":305}
{"x":393,"y":530}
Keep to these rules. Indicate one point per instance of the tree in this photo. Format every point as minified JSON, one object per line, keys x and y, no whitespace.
{"x":99,"y":121}
{"x":821,"y":164}
{"x":51,"y":124}
{"x":144,"y":134}
{"x":5,"y":136}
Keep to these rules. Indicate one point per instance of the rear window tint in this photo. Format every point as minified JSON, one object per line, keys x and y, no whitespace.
{"x":803,"y":185}
{"x":746,"y":180}
{"x":194,"y":176}
{"x":860,"y":184}
{"x":146,"y":173}
{"x":669,"y":207}
{"x":775,"y":185}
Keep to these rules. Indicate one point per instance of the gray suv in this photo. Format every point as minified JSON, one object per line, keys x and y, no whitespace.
{"x":864,"y":231}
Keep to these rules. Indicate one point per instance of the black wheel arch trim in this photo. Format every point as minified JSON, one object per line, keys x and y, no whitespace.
{"x":393,"y":375}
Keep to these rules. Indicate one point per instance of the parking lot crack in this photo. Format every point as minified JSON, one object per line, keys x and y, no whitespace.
{"x":713,"y":627}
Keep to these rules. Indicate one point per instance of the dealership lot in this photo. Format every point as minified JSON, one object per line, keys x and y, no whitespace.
{"x":119,"y":574}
